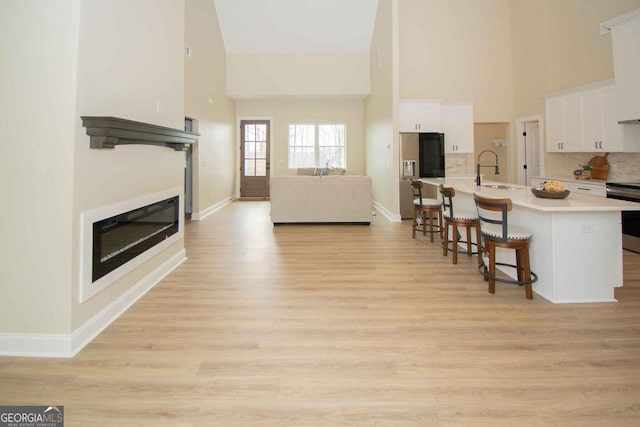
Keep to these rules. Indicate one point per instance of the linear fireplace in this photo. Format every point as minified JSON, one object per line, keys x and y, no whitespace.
{"x":118,"y":238}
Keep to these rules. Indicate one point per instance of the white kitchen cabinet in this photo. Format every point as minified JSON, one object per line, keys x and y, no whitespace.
{"x":554,"y":109}
{"x":420,"y":116}
{"x":584,"y":120}
{"x":593,"y":121}
{"x":600,"y":127}
{"x":572,"y":124}
{"x":457,"y":124}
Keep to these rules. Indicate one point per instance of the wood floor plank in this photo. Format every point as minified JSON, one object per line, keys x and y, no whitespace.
{"x":323,"y":325}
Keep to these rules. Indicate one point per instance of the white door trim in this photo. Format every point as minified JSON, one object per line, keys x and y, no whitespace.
{"x":520,"y":152}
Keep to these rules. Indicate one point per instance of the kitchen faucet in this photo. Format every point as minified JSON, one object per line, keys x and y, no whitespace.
{"x":478,"y":166}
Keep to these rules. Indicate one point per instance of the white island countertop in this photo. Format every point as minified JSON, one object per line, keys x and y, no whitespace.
{"x":522,"y":196}
{"x":576,"y":243}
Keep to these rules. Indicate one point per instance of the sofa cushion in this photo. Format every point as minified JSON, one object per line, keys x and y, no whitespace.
{"x":314,"y":171}
{"x":306,"y":171}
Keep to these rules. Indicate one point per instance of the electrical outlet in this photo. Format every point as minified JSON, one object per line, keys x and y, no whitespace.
{"x":586,"y":228}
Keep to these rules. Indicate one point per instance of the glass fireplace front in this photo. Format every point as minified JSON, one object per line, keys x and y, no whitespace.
{"x":120,"y":238}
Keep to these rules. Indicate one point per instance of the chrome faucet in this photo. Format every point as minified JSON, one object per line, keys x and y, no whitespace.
{"x":478,"y":166}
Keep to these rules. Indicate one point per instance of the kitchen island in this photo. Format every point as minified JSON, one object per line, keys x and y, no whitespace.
{"x":576,"y":248}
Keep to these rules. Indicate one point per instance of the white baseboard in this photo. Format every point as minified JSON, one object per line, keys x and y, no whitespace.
{"x":61,"y":345}
{"x":199,"y":216}
{"x":387,"y":213}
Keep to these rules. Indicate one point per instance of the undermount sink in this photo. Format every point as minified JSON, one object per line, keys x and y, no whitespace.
{"x":501,"y":187}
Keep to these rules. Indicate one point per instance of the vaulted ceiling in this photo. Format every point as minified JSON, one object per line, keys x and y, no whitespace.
{"x":296,"y":26}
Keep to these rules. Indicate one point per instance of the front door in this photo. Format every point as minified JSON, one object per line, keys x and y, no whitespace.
{"x":254,"y":162}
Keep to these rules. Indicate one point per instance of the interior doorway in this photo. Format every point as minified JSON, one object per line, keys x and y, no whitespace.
{"x":254,"y":158}
{"x":530,"y":137}
{"x":190,"y":125}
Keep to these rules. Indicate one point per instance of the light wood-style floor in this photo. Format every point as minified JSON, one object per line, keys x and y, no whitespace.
{"x":342,"y":326}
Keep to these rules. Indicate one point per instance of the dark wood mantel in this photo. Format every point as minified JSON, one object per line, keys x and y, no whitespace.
{"x":107,"y":132}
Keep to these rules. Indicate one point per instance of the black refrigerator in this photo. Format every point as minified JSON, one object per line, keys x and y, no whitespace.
{"x":431,"y":155}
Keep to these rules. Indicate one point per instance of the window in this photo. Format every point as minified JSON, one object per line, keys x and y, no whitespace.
{"x":316,"y":146}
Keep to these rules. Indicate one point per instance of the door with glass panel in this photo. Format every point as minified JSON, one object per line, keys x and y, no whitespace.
{"x":254,"y":165}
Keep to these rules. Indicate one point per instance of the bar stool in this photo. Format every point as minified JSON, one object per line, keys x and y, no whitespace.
{"x":425,"y":208}
{"x":455,"y":219}
{"x":497,"y":233}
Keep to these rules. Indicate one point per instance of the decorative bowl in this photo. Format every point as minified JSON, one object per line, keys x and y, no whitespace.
{"x":544,"y":194}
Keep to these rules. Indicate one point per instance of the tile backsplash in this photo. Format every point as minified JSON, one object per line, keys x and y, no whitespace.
{"x":622,"y":166}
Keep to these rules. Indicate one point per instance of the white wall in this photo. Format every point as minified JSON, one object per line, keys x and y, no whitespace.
{"x":382,"y":137}
{"x":284,"y":112}
{"x":206,"y":101}
{"x":299,"y":74}
{"x":38,"y":47}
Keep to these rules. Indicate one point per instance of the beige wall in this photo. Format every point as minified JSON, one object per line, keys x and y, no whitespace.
{"x":284,"y":112}
{"x":297,"y":74}
{"x":206,"y":101}
{"x":558,"y":46}
{"x":380,"y":110}
{"x":130,"y":55}
{"x":38,"y":47}
{"x":457,"y":50}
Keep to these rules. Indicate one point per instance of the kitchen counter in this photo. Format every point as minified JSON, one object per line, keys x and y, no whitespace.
{"x":522,"y":196}
{"x":598,"y":182}
{"x":576,"y":248}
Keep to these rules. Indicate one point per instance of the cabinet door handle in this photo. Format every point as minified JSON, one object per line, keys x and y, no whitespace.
{"x":596,"y":144}
{"x":585,"y":189}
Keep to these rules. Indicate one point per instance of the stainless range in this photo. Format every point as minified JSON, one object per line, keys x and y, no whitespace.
{"x":629,"y":191}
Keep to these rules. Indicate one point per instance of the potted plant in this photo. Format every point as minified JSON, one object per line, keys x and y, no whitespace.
{"x":586,"y":170}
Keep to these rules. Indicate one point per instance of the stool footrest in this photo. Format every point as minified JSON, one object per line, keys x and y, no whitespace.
{"x":436,"y":229}
{"x":534,"y":276}
{"x":459,"y":251}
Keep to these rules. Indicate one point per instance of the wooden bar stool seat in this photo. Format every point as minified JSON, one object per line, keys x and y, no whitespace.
{"x":457,"y":219}
{"x":496,"y":233}
{"x":427,"y":210}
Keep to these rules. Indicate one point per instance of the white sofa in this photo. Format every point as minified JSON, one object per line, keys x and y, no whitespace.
{"x":321,"y":199}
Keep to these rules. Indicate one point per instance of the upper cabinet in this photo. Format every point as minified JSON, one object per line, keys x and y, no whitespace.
{"x":554,"y":112}
{"x":584,"y":120}
{"x":457,"y":124}
{"x":420,"y":116}
{"x":454,"y":119}
{"x":564,"y":124}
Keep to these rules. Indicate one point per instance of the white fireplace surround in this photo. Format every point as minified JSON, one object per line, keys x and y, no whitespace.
{"x":88,"y":288}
